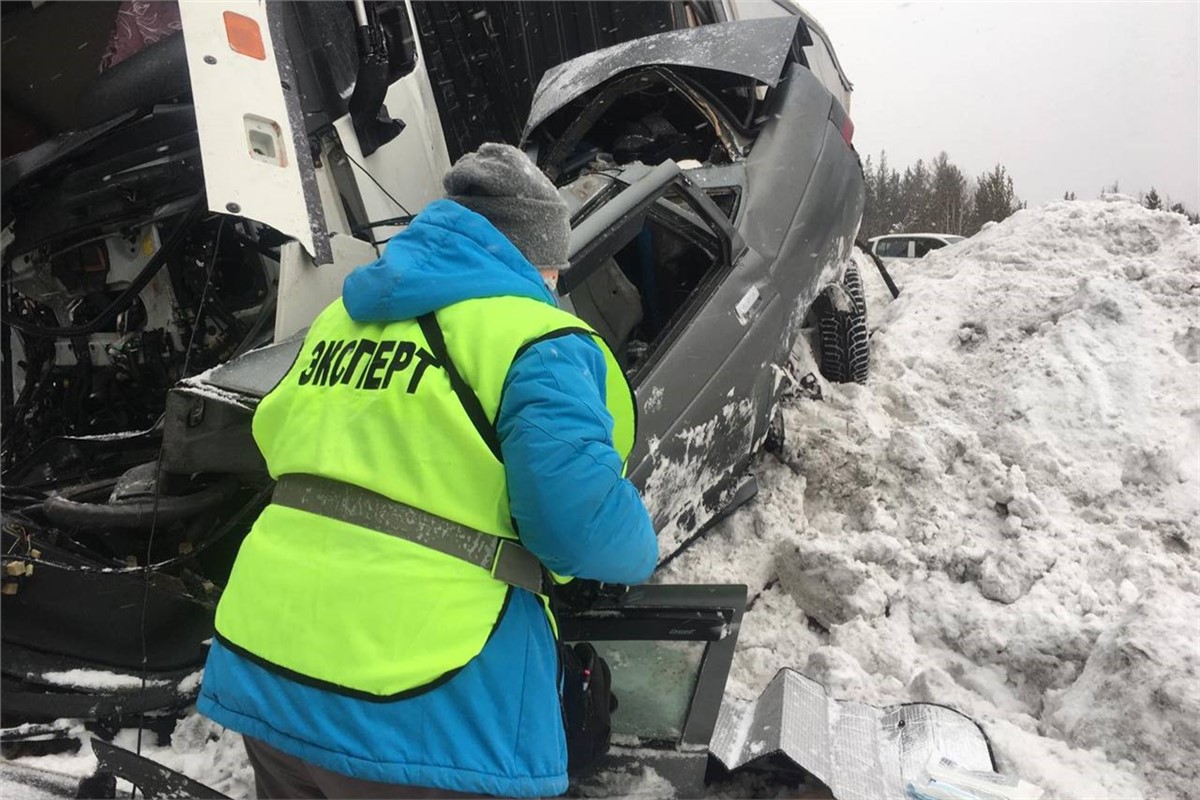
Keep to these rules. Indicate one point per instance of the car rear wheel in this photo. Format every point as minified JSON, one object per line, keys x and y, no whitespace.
{"x":842,"y":335}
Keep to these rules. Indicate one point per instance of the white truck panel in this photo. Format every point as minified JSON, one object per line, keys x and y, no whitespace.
{"x":252,"y":166}
{"x":411,"y":166}
{"x":305,"y":289}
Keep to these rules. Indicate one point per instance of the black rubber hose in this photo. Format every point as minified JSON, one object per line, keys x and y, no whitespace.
{"x":265,"y":315}
{"x":149,"y":77}
{"x":126,"y":297}
{"x":887,"y":278}
{"x":142,"y":514}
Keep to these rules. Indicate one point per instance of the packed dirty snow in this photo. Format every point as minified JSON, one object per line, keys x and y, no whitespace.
{"x":198,"y":748}
{"x":96,"y":679}
{"x":1004,"y":520}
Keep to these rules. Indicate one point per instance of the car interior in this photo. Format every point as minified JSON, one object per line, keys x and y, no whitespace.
{"x":633,"y":297}
{"x":650,"y":115}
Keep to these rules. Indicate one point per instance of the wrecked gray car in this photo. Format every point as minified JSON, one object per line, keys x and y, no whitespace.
{"x":699,"y":269}
{"x":716,"y":196}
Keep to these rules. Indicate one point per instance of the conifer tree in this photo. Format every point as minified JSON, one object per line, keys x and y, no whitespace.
{"x":867,"y":227}
{"x":915,"y":189}
{"x":934,"y":196}
{"x":995,"y":198}
{"x":951,"y":202}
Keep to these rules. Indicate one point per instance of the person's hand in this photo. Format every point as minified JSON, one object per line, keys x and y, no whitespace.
{"x":581,"y":594}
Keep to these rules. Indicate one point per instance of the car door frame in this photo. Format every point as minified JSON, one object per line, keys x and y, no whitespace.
{"x":599,"y":235}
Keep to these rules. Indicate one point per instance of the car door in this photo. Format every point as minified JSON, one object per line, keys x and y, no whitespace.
{"x":702,"y":394}
{"x":697,"y":421}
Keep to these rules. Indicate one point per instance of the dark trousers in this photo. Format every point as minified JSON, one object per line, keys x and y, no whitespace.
{"x":279,"y":775}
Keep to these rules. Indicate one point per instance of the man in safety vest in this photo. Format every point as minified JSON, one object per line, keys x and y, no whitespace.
{"x":446,"y":437}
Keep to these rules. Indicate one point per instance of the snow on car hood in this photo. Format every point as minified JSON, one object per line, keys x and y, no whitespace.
{"x":752,"y":48}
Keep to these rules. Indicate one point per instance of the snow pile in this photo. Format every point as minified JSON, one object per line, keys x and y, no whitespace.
{"x":199,"y":748}
{"x":203,"y":750}
{"x":1006,"y":519}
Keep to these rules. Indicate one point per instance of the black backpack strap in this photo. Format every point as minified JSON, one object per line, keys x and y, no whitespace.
{"x":466,"y":395}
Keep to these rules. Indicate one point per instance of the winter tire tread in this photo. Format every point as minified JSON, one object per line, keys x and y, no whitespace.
{"x":845,"y":347}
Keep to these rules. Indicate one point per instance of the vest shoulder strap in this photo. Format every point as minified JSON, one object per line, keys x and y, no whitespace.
{"x":514,"y":324}
{"x":466,"y":395}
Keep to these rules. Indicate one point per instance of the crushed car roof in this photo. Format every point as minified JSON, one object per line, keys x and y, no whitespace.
{"x":752,"y":48}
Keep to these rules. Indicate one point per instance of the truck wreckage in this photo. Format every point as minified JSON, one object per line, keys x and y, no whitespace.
{"x":164,"y":252}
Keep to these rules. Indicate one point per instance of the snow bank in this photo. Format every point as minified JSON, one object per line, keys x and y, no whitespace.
{"x":203,"y":750}
{"x":1006,"y":518}
{"x":198,"y":748}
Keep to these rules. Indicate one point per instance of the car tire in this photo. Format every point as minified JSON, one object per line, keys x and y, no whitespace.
{"x":842,"y":335}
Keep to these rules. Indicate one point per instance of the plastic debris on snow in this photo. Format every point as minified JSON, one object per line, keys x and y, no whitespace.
{"x":946,"y":780}
{"x":859,"y":751}
{"x":1006,"y":518}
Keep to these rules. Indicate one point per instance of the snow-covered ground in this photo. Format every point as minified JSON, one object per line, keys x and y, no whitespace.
{"x":1005,"y":519}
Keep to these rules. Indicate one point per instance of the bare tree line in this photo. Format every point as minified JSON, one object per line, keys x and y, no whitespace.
{"x":938,"y":197}
{"x":934,"y":197}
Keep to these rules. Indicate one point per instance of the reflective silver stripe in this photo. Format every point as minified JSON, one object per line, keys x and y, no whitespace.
{"x":505,"y":559}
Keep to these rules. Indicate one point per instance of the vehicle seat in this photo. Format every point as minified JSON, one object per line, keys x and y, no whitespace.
{"x":610,"y":303}
{"x":151,"y":76}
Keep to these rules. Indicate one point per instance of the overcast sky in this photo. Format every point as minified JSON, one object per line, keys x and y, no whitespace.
{"x":1070,"y":95}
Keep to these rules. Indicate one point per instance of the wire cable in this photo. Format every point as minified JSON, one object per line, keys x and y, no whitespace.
{"x":377,"y":183}
{"x":128,"y":295}
{"x":187,"y":357}
{"x":16,"y":529}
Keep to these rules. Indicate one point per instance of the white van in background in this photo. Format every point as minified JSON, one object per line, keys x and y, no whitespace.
{"x":910,"y":245}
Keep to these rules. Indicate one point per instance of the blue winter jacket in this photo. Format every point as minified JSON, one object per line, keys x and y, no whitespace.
{"x":496,"y":727}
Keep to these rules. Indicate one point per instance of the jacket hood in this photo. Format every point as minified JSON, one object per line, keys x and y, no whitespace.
{"x":448,"y":254}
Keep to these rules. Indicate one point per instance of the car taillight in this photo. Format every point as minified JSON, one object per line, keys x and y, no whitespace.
{"x":848,"y":131}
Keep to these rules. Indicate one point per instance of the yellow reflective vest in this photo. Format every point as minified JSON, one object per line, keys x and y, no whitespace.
{"x":369,"y":404}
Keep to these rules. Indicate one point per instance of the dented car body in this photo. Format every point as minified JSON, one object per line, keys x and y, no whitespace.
{"x":715,"y":197}
{"x":699,"y":278}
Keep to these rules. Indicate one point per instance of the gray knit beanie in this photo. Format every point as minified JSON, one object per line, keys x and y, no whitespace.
{"x":501,"y":183}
